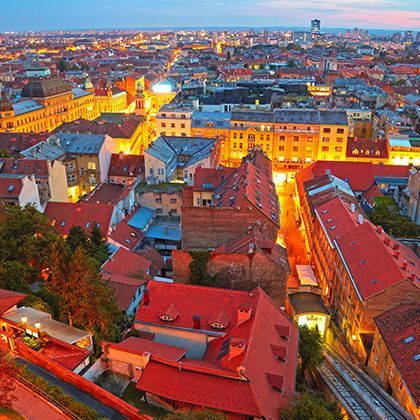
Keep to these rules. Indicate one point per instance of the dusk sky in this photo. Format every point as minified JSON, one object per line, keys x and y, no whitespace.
{"x":55,"y":14}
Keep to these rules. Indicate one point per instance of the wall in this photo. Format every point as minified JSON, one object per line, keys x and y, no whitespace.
{"x":109,"y":147}
{"x":210,"y":227}
{"x":80,"y":382}
{"x":58,"y":182}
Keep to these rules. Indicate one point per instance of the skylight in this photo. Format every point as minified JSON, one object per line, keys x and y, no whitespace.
{"x":408,"y":339}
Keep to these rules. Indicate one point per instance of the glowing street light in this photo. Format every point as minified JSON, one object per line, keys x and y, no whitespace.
{"x":24,"y":319}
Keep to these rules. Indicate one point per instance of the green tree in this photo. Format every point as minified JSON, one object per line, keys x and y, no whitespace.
{"x":386,"y":214}
{"x":85,"y":300}
{"x":98,"y":244}
{"x":310,"y":350}
{"x":36,"y":302}
{"x":309,"y":406}
{"x":76,"y":238}
{"x":198,"y":268}
{"x":4,"y":153}
{"x":26,"y":236}
{"x":15,"y":275}
{"x":62,"y":65}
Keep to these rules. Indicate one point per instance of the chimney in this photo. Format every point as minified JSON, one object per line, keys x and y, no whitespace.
{"x":360,"y":219}
{"x":78,"y":209}
{"x":244,"y":313}
{"x":387,"y":241}
{"x":379,"y":229}
{"x":236,"y":347}
{"x":352,"y":207}
{"x":404,"y":265}
{"x":396,"y":246}
{"x":397,"y":254}
{"x":146,"y":297}
{"x":196,"y":322}
{"x":413,"y":276}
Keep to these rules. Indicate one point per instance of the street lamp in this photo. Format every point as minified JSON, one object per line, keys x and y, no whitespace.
{"x":24,"y":319}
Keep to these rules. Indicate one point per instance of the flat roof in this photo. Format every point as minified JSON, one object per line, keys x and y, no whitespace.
{"x":306,"y":302}
{"x":53,"y":328}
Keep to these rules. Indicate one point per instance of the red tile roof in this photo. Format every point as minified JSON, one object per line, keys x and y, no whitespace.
{"x":125,"y":262}
{"x":396,"y":326}
{"x":157,"y":261}
{"x":10,"y":187}
{"x":217,"y":381}
{"x":135,"y":345}
{"x":124,"y":287}
{"x":63,"y":353}
{"x":64,"y":216}
{"x":124,"y":130}
{"x":18,"y":142}
{"x":210,"y":178}
{"x":372,"y":263}
{"x":251,"y":183}
{"x":37,"y":167}
{"x":126,"y":165}
{"x":8,"y":299}
{"x":108,"y":194}
{"x":126,"y":236}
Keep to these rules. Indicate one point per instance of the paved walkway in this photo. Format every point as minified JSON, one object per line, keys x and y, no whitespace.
{"x":33,"y":407}
{"x":78,"y":395}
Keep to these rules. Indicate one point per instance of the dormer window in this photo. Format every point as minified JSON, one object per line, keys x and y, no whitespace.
{"x":218,"y":326}
{"x":166,"y":318}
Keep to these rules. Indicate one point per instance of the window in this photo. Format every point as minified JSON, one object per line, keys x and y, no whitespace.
{"x":82,"y":171}
{"x":281,"y":148}
{"x":235,"y":135}
{"x":163,"y":125}
{"x":325,"y":139}
{"x":240,"y":145}
{"x":282,"y":138}
{"x":92,"y":179}
{"x":310,"y":139}
{"x":234,"y":144}
{"x":172,"y":125}
{"x":173,"y":200}
{"x":70,"y":166}
{"x":295,"y":148}
{"x":327,"y":130}
{"x":295,"y":138}
{"x":92,"y":166}
{"x":309,"y":149}
{"x":241,"y":136}
{"x":339,"y":140}
{"x":159,"y":210}
{"x":173,"y":211}
{"x":158,"y":200}
{"x":182,"y":125}
{"x":325,"y":148}
{"x":338,"y":149}
{"x":340,"y":130}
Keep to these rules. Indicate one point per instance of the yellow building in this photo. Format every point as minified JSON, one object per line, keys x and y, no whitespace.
{"x":46,"y":104}
{"x":291,"y":138}
{"x":111,"y":100}
{"x":404,"y":150}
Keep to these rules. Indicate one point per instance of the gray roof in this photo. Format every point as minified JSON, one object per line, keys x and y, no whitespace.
{"x":192,"y":149}
{"x":79,"y":92}
{"x":218,"y":119}
{"x":53,"y":328}
{"x":297,"y":116}
{"x":59,"y":144}
{"x":305,"y":302}
{"x":26,"y":106}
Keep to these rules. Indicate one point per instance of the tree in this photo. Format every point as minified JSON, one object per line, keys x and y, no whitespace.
{"x":26,"y":236}
{"x":85,"y":300}
{"x":198,"y":268}
{"x":15,"y":275}
{"x":62,"y":65}
{"x":76,"y":238}
{"x":386,"y":214}
{"x":7,"y":388}
{"x":37,"y":303}
{"x":310,"y":350}
{"x":310,"y":406}
{"x":98,"y":245}
{"x":4,"y":153}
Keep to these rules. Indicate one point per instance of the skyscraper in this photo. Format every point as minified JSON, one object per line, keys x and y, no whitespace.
{"x":315,"y":27}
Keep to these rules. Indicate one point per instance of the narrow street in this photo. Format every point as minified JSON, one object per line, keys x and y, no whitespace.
{"x":33,"y":407}
{"x":78,"y":395}
{"x":289,"y":230}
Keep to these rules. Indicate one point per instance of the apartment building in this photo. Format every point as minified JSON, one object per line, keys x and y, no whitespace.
{"x":174,"y":120}
{"x":290,"y":138}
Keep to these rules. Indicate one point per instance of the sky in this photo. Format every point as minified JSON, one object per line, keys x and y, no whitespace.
{"x":22,"y":15}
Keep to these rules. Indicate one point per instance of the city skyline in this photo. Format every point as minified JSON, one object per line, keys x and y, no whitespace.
{"x":377,"y":14}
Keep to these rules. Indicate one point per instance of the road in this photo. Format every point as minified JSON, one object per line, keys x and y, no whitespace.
{"x":33,"y":407}
{"x":289,"y":229}
{"x":78,"y":395}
